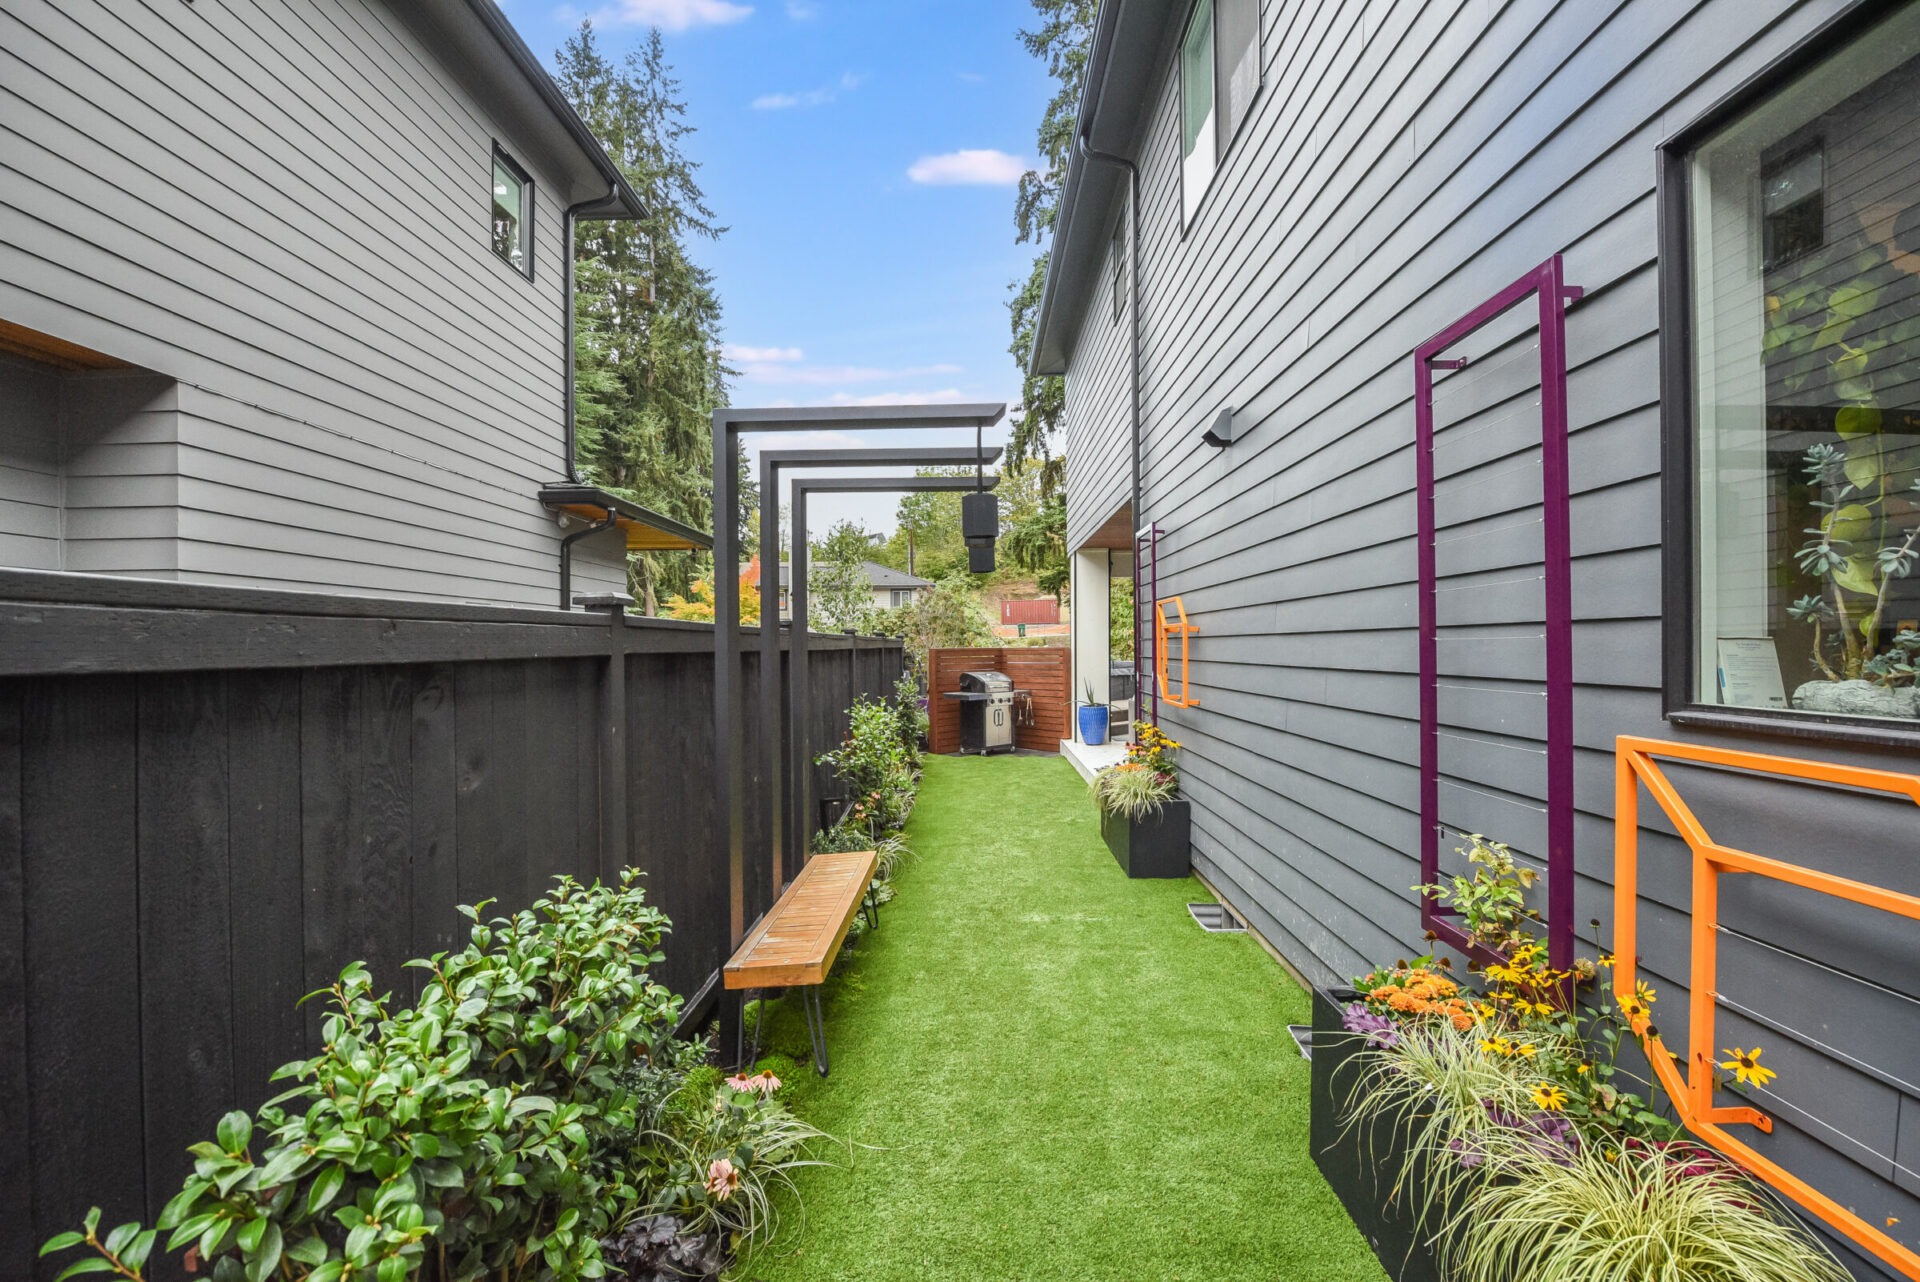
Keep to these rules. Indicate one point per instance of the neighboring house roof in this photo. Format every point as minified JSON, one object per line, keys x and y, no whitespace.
{"x":1130,"y":49}
{"x":881,"y":576}
{"x":887,"y":577}
{"x":478,"y":34}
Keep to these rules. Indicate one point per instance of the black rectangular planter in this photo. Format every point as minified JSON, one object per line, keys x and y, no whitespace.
{"x":1362,"y":1162}
{"x":1156,"y":846}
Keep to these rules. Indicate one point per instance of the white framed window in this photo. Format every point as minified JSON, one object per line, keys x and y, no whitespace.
{"x":512,"y":213}
{"x":1219,"y":79}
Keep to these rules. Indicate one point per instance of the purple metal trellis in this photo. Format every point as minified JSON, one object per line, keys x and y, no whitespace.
{"x":1548,"y":282}
{"x":1144,"y":617}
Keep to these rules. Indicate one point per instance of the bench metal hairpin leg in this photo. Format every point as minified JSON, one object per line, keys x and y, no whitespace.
{"x":873,"y":908}
{"x":816,"y":1025}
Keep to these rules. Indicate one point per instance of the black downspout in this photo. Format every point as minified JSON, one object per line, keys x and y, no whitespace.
{"x":566,"y":556}
{"x":1133,"y":371}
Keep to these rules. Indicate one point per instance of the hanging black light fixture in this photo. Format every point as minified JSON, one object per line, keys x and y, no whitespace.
{"x":980,"y":515}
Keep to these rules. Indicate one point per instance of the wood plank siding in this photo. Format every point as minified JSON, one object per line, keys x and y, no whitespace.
{"x":1401,"y":163}
{"x":281,"y":209}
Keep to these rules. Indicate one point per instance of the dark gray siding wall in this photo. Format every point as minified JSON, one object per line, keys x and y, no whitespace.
{"x":284,"y":206}
{"x":1403,"y":162}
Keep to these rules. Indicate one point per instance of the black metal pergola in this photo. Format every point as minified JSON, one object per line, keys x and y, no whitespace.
{"x":772,"y":464}
{"x":800,"y":754}
{"x":728,"y":427}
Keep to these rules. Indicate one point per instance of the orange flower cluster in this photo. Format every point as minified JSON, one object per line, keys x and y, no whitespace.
{"x":1417,"y":991}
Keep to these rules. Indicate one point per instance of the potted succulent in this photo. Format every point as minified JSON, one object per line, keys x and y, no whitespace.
{"x":1093,"y":719}
{"x":1143,"y":820}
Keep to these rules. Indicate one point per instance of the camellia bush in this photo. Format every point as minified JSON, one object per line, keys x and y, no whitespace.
{"x":498,"y":1128}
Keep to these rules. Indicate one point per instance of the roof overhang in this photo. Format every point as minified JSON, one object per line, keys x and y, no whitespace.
{"x":1129,"y":51}
{"x":645,"y":531}
{"x":475,"y":38}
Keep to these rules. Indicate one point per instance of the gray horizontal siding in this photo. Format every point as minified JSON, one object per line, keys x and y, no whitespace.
{"x":1403,"y":161}
{"x":283,"y":206}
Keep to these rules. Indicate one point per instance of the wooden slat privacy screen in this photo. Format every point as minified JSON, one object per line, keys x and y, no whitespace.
{"x":1045,"y":670}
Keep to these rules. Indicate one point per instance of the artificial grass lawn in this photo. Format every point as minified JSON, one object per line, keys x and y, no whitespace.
{"x":1061,"y":1076}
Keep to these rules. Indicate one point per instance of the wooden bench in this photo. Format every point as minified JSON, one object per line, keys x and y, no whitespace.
{"x":795,"y":944}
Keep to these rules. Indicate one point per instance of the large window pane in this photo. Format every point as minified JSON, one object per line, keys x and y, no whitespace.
{"x":1805,"y":269}
{"x":1197,"y":116}
{"x":510,"y":199}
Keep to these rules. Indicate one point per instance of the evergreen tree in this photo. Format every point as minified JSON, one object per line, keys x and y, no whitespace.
{"x":646,"y":317}
{"x":1060,"y":41}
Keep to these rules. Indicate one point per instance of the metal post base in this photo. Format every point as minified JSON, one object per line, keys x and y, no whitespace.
{"x":816,"y":1025}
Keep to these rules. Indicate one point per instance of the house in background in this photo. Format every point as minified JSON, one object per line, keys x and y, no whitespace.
{"x":891,"y":588}
{"x":285,"y":300}
{"x":1271,"y":207}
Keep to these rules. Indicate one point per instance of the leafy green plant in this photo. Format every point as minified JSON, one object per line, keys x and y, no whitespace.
{"x":873,"y":767}
{"x":911,"y":711}
{"x":467,"y":1133}
{"x":1491,"y":902}
{"x":1637,"y":1213}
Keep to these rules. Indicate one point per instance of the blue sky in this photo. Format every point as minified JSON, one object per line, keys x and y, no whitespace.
{"x":863,"y":155}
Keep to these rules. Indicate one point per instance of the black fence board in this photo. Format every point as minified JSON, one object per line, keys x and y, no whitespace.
{"x":79,"y":863}
{"x":16,"y":1152}
{"x":435,"y":891}
{"x":186,"y":852}
{"x":186,"y":1044}
{"x":264,"y":876}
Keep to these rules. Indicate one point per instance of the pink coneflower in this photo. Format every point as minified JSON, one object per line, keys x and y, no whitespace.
{"x":722,"y":1179}
{"x":740,"y":1082}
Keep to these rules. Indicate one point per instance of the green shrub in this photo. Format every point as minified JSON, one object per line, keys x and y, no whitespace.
{"x":470,"y":1133}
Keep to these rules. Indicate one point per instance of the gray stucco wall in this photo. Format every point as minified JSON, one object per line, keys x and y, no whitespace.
{"x":284,"y":207}
{"x":1404,"y":161}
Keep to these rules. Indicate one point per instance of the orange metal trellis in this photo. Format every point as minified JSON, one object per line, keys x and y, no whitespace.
{"x":1636,"y":763}
{"x":1163,"y":632}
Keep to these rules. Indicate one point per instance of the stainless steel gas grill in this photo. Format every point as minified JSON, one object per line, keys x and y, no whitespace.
{"x":987,"y":711}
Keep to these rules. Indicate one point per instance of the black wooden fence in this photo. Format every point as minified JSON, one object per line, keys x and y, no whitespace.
{"x":212,"y":799}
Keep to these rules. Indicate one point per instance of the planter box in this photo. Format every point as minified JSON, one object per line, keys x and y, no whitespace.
{"x":1362,"y":1162}
{"x":1157,"y":846}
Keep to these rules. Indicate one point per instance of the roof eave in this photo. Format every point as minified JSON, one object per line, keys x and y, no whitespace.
{"x":1121,"y":65}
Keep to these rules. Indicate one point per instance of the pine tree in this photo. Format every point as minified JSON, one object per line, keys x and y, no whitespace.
{"x":1060,"y":41}
{"x":649,"y":373}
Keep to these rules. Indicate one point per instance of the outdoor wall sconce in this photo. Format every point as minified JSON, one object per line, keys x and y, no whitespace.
{"x":1165,"y":633}
{"x":1223,"y":432}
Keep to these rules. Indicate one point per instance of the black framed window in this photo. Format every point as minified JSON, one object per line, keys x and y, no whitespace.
{"x":1117,"y":255}
{"x":1219,"y":79}
{"x":512,"y":213}
{"x":1791,"y":401}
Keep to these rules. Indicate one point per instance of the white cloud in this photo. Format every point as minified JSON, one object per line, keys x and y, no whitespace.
{"x":786,"y":371}
{"x":671,"y":15}
{"x":945,"y":396}
{"x":807,"y":98}
{"x":763,"y":355}
{"x":800,"y":11}
{"x":970,"y":77}
{"x":975,"y":167}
